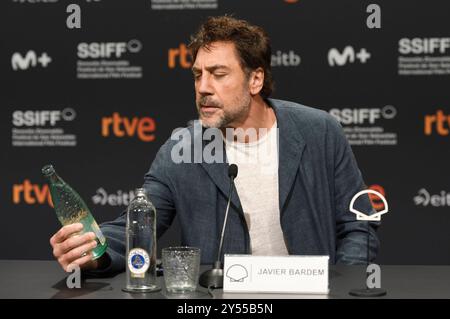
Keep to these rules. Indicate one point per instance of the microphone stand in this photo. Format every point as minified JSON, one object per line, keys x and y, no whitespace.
{"x":368,"y":292}
{"x":213,"y":278}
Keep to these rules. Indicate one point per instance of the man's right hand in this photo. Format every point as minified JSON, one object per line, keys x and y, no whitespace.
{"x":72,"y":248}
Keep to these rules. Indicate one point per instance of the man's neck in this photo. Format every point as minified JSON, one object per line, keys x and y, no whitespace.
{"x":260,"y":118}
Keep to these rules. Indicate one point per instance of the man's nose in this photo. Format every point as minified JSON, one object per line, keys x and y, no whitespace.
{"x":204,"y":86}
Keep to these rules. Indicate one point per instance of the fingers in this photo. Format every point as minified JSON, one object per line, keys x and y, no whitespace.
{"x":72,"y":243}
{"x":71,"y":248}
{"x":79,"y":262}
{"x":65,"y":232}
{"x":77,"y":256}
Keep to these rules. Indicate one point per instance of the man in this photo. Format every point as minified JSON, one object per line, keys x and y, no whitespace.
{"x":293,"y":200}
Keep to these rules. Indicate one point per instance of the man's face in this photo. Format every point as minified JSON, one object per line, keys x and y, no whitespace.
{"x":221,"y":86}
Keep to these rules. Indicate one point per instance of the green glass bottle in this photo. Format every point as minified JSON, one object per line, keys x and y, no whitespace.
{"x":70,"y":208}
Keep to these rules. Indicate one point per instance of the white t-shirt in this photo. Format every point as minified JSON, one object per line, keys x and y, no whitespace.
{"x":257,"y":187}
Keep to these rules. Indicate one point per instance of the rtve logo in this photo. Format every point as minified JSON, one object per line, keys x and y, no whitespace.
{"x":440,"y":122}
{"x":30,"y":60}
{"x":376,"y":201}
{"x":180,"y":54}
{"x":121,"y":126}
{"x":31,"y":194}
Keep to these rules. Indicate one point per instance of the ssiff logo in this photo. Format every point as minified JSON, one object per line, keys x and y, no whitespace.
{"x":42,"y":117}
{"x":348,"y":116}
{"x":31,"y":193}
{"x":121,"y":126}
{"x":96,"y":50}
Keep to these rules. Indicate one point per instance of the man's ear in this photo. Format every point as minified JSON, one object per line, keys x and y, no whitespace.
{"x":256,"y":81}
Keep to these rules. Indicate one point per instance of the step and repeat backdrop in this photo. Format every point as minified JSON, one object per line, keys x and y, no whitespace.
{"x":96,"y":87}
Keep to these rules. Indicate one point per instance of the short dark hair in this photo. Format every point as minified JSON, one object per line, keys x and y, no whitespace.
{"x":252,"y":44}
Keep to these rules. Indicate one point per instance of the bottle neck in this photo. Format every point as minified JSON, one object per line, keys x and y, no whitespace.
{"x":53,"y":178}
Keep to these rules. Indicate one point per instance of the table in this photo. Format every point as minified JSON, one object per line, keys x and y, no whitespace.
{"x":46,"y":280}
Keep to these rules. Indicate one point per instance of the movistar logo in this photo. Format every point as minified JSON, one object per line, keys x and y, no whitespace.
{"x":348,"y":55}
{"x":30,"y":60}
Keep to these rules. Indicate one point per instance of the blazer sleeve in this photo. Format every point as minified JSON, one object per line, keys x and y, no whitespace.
{"x":351,"y":233}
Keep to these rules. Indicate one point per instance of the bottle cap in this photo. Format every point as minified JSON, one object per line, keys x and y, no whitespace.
{"x":140,"y":192}
{"x":48,"y":170}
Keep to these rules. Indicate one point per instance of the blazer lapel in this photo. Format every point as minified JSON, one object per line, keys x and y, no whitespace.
{"x":291,"y":146}
{"x":218,"y":172}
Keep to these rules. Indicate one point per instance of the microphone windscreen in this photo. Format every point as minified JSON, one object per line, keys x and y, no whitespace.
{"x":232,"y":171}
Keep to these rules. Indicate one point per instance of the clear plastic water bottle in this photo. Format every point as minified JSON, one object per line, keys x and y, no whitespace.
{"x":141,"y":245}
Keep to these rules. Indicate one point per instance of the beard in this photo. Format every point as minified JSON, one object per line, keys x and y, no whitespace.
{"x":223,"y":116}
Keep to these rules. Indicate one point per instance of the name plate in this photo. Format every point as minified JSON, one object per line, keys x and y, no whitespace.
{"x":282,"y":274}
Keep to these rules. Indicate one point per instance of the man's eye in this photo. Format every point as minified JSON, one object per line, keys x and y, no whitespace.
{"x":197,"y":76}
{"x":219,"y":75}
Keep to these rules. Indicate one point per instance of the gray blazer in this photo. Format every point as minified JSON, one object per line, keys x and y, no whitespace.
{"x":318,"y":176}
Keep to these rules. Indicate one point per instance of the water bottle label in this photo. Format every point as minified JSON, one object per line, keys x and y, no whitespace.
{"x":138,"y":262}
{"x":98,"y":233}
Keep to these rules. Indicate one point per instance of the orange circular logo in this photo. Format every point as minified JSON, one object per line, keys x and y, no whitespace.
{"x":376,"y":201}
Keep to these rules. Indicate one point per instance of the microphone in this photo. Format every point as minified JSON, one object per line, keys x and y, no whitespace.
{"x":213,"y":278}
